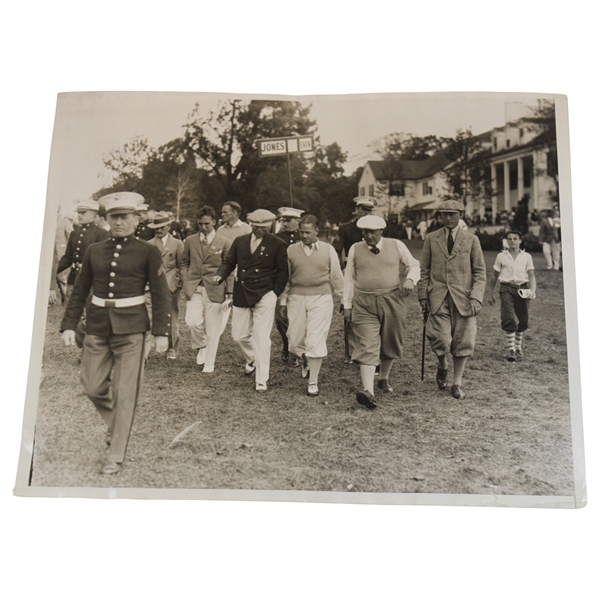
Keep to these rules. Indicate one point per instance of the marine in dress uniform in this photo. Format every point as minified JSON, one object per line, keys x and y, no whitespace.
{"x":142,"y":230}
{"x":289,"y":233}
{"x":314,"y":273}
{"x":203,"y":253}
{"x":379,"y":275}
{"x":80,"y":239}
{"x":452,"y":288}
{"x":172,"y":260}
{"x":262,"y":273}
{"x":118,"y":270}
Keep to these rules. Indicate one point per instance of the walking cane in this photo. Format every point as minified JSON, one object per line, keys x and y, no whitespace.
{"x":424,"y":319}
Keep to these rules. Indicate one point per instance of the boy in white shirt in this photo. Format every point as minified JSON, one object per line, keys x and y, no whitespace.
{"x":515,"y":271}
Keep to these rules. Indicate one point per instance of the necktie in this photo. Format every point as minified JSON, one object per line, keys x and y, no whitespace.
{"x":205,"y":240}
{"x":449,"y":242}
{"x":375,"y":250}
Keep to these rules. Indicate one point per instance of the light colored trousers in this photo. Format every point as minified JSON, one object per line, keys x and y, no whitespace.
{"x":251,"y":329}
{"x":204,"y":319}
{"x":552,"y":251}
{"x":309,"y":323}
{"x":115,"y":400}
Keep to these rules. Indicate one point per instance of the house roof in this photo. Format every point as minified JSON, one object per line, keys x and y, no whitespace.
{"x":412,"y":169}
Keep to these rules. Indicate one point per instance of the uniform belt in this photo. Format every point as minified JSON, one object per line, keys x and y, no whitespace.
{"x":124,"y":302}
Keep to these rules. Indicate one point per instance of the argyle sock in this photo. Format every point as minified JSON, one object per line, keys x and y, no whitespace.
{"x":518,"y":340}
{"x":511,"y":341}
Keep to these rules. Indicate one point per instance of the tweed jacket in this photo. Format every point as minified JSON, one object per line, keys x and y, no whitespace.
{"x":172,"y":257}
{"x":120,"y":268}
{"x":201,"y":262}
{"x":258,"y":273}
{"x":461,"y":274}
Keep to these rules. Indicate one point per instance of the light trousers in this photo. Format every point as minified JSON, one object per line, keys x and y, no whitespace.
{"x":552,"y":252}
{"x":115,"y":400}
{"x":204,"y":319}
{"x":251,"y":329}
{"x":309,"y":323}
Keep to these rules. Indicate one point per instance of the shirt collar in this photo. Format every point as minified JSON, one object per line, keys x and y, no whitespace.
{"x":209,"y":237}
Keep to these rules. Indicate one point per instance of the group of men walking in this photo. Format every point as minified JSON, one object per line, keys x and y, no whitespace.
{"x":129,"y":289}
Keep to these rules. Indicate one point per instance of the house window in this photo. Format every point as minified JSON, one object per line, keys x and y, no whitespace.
{"x":507,"y":143}
{"x":397,"y":189}
{"x":521,"y":132}
{"x":371,"y":190}
{"x":495,"y":144}
{"x":361,"y":191}
{"x":427,"y":189}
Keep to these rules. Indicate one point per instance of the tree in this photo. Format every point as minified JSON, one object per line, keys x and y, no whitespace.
{"x":225,"y":141}
{"x":127,"y":163}
{"x":468,"y":176}
{"x":543,"y":124}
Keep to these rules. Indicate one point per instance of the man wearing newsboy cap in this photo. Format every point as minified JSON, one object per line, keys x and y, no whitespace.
{"x":118,"y":270}
{"x":452,"y":288}
{"x":380,"y":274}
{"x":262,"y":273}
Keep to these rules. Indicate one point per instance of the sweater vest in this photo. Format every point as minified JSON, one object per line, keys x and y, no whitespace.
{"x":309,"y":275}
{"x":377,"y":274}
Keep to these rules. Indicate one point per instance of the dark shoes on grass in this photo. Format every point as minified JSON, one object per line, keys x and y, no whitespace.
{"x":442,"y":378}
{"x":365,"y":398}
{"x":384,"y":385}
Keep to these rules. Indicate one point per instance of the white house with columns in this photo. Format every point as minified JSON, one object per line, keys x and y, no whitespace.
{"x":522,"y":162}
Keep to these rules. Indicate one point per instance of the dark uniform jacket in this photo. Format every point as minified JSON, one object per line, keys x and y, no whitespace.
{"x":79,"y":240}
{"x":142,"y":231}
{"x":120,"y":268}
{"x":258,"y":273}
{"x":289,"y":237}
{"x":347,"y":234}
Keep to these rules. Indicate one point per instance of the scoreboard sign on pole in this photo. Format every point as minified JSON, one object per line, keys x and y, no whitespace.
{"x":280,"y":146}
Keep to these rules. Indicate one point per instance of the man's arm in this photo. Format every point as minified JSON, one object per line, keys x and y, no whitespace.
{"x":228,"y":265}
{"x":67,"y":259}
{"x":337,"y":280}
{"x":425,"y":272}
{"x":492,"y":284}
{"x":161,"y":295}
{"x":281,"y":269}
{"x":81,"y":289}
{"x":185,"y":260}
{"x":479,"y":271}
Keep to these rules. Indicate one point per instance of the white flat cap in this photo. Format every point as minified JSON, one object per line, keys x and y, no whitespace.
{"x":372,"y":222}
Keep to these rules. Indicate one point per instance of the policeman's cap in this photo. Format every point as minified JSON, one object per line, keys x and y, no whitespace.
{"x":290,"y":212}
{"x":367,"y":202}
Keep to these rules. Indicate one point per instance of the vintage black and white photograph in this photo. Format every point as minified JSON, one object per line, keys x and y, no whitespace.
{"x":359,"y":299}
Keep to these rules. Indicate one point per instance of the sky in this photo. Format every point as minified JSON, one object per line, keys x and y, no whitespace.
{"x":90,"y":125}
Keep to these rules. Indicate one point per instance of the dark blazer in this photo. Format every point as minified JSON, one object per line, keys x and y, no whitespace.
{"x":461,"y":274}
{"x":115,"y":269}
{"x":258,"y":273}
{"x":201,"y":264}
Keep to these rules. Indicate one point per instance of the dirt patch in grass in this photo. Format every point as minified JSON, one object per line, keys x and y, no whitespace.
{"x":511,"y":435}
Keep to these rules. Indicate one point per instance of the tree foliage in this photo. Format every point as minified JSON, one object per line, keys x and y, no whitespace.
{"x":468,"y":176}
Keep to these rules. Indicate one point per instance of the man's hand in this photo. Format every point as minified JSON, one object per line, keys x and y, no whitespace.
{"x":228,"y":300}
{"x":68,"y":337}
{"x":407,"y":287}
{"x":160,"y":344}
{"x":53,"y":297}
{"x":283,"y":311}
{"x":475,"y":307}
{"x":492,"y":301}
{"x":347,"y":315}
{"x":217,"y":279}
{"x":424,"y":304}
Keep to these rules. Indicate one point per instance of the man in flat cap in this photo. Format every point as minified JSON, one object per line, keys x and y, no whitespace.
{"x":451,"y":289}
{"x":118,"y":270}
{"x":289,"y":233}
{"x":80,"y":239}
{"x":203,"y":254}
{"x":314,"y":273}
{"x":171,"y":250}
{"x":379,"y":275}
{"x":262,"y":273}
{"x":348,"y":234}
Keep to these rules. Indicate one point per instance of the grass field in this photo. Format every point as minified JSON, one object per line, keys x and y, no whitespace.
{"x":511,"y":435}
